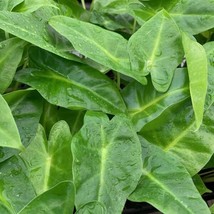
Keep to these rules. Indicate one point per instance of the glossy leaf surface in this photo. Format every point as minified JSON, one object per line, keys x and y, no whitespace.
{"x":33,"y":28}
{"x":10,"y":56}
{"x":174,"y":132}
{"x":8,"y":129}
{"x":156,"y":49}
{"x":26,"y":107}
{"x":16,"y":189}
{"x":59,"y":199}
{"x":78,"y":87}
{"x":193,"y":18}
{"x":92,"y":207}
{"x":144,"y":103}
{"x":198,"y":75}
{"x":9,"y":4}
{"x":166,"y":184}
{"x":107,"y":161}
{"x":105,"y":47}
{"x":49,"y":161}
{"x":209,"y":48}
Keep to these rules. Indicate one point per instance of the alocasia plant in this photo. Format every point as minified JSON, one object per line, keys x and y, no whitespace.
{"x":104,"y":103}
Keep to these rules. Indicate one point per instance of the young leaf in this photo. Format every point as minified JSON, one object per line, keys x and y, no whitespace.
{"x":8,"y":129}
{"x":166,"y":184}
{"x":78,"y":87}
{"x":174,"y":132}
{"x":198,"y":75}
{"x":145,"y":103}
{"x":156,"y":48}
{"x":103,"y":46}
{"x":10,"y":56}
{"x":33,"y":28}
{"x":49,"y":160}
{"x":107,"y":161}
{"x":59,"y":199}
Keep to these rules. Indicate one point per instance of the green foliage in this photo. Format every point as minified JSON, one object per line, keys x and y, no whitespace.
{"x":103,"y":105}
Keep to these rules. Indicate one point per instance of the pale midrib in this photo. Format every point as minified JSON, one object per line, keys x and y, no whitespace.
{"x":70,"y":82}
{"x":155,"y":101}
{"x":47,"y":173}
{"x":152,"y":56}
{"x":104,"y":152}
{"x":113,"y":58}
{"x":162,"y":186}
{"x":179,"y":137}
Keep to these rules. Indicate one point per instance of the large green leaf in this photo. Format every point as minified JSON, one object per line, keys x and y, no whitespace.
{"x":9,"y":4}
{"x":9,"y":135}
{"x":77,"y":87}
{"x":166,"y":184}
{"x":26,"y":107}
{"x":32,"y":27}
{"x":144,"y":103}
{"x":16,"y":189}
{"x":198,"y":75}
{"x":10,"y":56}
{"x":107,"y":161}
{"x":103,"y":46}
{"x":194,"y":17}
{"x":59,"y":199}
{"x":174,"y":132}
{"x":153,"y":46}
{"x":49,"y":161}
{"x":209,"y":48}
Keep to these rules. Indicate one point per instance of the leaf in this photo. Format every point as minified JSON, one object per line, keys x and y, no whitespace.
{"x":200,"y":185}
{"x":11,"y":51}
{"x":166,"y":184}
{"x":77,"y":87}
{"x":16,"y":189}
{"x":29,"y":6}
{"x":193,"y":18}
{"x":49,"y":161}
{"x":26,"y":107}
{"x":107,"y":161}
{"x":144,"y":103}
{"x":59,"y":199}
{"x":9,"y":4}
{"x":92,"y":207}
{"x":174,"y":132}
{"x":33,"y":28}
{"x":8,"y":129}
{"x":209,"y":48}
{"x":198,"y":75}
{"x":103,"y":46}
{"x":156,"y":49}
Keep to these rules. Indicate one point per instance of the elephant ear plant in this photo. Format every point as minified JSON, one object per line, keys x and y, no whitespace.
{"x":106,"y":104}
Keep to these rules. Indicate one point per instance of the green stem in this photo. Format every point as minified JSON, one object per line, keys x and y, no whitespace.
{"x":7,"y":36}
{"x":83,"y":4}
{"x":134,"y":26}
{"x":118,"y":80}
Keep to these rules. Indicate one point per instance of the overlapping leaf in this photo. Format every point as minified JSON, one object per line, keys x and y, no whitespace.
{"x":49,"y":161}
{"x":174,"y":131}
{"x":156,"y":49}
{"x":10,"y":56}
{"x":59,"y":199}
{"x":113,"y":151}
{"x":32,"y":27}
{"x":8,"y":129}
{"x":9,"y":4}
{"x":198,"y":75}
{"x":103,"y":46}
{"x":166,"y":184}
{"x":76,"y":87}
{"x":144,"y":103}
